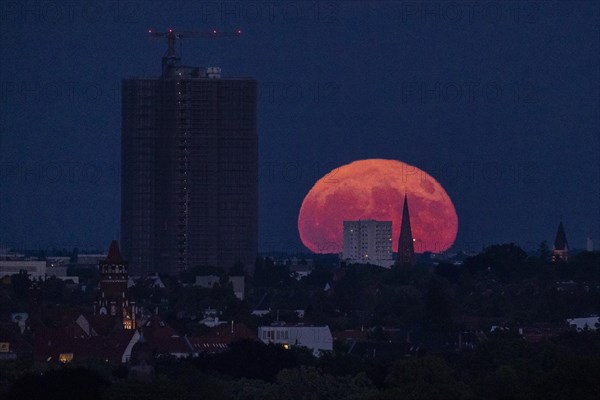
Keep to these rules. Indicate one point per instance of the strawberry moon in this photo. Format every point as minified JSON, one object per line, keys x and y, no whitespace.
{"x":375,"y":189}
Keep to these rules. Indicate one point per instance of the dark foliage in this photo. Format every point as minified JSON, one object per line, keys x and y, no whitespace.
{"x":65,"y":383}
{"x":247,"y":359}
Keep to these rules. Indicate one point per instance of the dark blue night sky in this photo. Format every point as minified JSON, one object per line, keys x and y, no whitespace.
{"x":498,"y":101}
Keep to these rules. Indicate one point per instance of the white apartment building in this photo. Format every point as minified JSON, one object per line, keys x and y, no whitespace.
{"x":368,"y":241}
{"x":315,"y":338}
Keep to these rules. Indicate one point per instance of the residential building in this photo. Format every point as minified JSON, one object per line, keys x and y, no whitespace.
{"x":591,"y":323}
{"x":189,"y":183}
{"x":316,"y":338}
{"x":36,"y":269}
{"x":368,"y":241}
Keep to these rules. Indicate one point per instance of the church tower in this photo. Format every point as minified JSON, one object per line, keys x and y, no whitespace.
{"x":560,"y":251}
{"x":113,"y":299}
{"x":406,"y":246}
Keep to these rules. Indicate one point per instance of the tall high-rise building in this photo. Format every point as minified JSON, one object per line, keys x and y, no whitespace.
{"x":406,"y":246}
{"x":368,"y":241}
{"x":189,"y":169}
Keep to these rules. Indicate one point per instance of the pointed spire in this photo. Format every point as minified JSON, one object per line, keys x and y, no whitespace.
{"x":560,"y":242}
{"x":114,"y":254}
{"x":560,"y":252}
{"x":406,"y":247}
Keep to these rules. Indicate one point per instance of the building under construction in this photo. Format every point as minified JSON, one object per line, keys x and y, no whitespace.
{"x":189,"y":184}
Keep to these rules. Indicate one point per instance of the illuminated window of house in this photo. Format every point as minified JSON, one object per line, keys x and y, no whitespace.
{"x":127,"y":323}
{"x":65,"y":357}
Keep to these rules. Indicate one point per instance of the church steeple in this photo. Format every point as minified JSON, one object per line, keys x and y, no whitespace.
{"x":113,"y":300}
{"x":113,"y":272}
{"x":114,"y":254}
{"x":406,"y":246}
{"x":560,"y":251}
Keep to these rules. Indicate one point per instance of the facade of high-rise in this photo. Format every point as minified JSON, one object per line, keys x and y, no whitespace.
{"x":189,"y":170}
{"x":406,"y":245}
{"x":368,"y":241}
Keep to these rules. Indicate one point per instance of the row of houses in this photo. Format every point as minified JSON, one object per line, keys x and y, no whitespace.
{"x":80,"y":340}
{"x":81,"y":337}
{"x":75,"y":335}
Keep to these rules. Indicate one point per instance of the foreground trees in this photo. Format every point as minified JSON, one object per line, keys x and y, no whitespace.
{"x":504,"y":367}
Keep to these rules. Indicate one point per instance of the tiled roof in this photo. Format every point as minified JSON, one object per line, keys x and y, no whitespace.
{"x":49,"y":344}
{"x":220,"y":337}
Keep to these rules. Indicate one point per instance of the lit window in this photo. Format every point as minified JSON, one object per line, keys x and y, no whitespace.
{"x":127,"y":323}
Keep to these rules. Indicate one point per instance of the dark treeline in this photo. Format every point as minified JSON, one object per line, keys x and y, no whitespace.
{"x":502,"y":283}
{"x":505,"y":367}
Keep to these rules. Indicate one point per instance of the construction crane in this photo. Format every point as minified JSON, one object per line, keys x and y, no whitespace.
{"x":171,"y":58}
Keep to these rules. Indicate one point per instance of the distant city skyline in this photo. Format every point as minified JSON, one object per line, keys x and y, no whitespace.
{"x":501,"y":109}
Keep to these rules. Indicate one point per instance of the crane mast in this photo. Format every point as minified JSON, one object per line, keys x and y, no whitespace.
{"x":171,"y":60}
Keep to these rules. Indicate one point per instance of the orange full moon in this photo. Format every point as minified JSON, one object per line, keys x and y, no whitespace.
{"x":374,"y":189}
